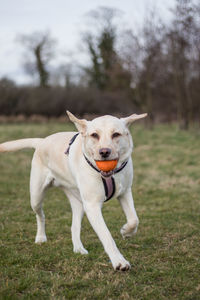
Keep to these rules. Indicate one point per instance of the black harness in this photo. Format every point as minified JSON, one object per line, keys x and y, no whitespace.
{"x":107,"y":177}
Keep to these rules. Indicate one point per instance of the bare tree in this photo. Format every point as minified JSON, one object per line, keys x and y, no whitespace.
{"x":180,"y":52}
{"x":142,"y":56}
{"x":40,"y":47}
{"x":164,"y":62}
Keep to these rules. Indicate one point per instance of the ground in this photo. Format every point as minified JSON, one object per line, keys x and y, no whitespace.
{"x":164,"y":254}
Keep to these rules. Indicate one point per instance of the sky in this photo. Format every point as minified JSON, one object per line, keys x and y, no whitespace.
{"x":65,"y":20}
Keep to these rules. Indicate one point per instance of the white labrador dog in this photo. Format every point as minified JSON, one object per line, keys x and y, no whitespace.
{"x":75,"y":172}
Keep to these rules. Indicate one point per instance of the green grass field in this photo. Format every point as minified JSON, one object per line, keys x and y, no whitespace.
{"x":164,"y":254}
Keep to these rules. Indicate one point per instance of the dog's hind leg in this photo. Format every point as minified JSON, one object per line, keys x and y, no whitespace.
{"x":39,"y":181}
{"x":127,"y":204}
{"x":77,"y":215}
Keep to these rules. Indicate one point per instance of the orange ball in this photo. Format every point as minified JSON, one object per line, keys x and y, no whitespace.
{"x":106,"y":165}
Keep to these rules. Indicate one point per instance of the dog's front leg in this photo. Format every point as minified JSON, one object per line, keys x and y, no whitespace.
{"x":94,"y":214}
{"x":127,"y":204}
{"x":77,"y":215}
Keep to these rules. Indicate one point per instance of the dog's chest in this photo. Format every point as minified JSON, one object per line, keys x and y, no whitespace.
{"x":121,"y":184}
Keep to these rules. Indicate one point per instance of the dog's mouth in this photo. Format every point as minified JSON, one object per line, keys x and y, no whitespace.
{"x":106,"y":167}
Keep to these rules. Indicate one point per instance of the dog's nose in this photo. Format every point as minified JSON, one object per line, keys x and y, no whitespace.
{"x":104,"y":152}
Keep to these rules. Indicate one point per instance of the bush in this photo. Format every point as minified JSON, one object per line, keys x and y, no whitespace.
{"x":53,"y":101}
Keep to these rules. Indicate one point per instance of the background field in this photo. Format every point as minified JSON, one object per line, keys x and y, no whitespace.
{"x":164,"y":254}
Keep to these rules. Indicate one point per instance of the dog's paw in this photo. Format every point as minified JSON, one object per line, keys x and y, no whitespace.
{"x":80,"y":250}
{"x":40,"y":239}
{"x":129,"y":229}
{"x":122,"y":265}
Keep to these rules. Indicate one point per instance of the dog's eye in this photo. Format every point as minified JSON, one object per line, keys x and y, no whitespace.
{"x":116,"y":134}
{"x":95,"y":135}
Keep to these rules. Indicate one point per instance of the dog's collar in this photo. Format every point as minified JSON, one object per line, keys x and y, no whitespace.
{"x":107,"y":177}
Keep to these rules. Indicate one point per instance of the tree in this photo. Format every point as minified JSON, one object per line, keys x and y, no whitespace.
{"x":164,"y":62}
{"x":106,"y":71}
{"x":40,"y":48}
{"x":180,"y":52}
{"x":143,"y":58}
{"x":7,"y":83}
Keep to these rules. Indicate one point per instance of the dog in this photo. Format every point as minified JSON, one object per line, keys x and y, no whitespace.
{"x":68,"y":160}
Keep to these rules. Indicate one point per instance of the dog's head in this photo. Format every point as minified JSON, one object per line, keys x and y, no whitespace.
{"x":107,"y":137}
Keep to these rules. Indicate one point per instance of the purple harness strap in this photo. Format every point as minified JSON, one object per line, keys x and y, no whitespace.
{"x":107,"y":178}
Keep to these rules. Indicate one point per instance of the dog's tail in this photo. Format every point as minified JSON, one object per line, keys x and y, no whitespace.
{"x":19,"y":144}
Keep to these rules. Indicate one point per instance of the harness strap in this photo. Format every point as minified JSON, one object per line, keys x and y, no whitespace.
{"x":91,"y":165}
{"x":71,"y":142}
{"x":107,"y":178}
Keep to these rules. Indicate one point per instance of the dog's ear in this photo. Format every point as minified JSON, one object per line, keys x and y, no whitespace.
{"x":129,"y":120}
{"x":80,"y":124}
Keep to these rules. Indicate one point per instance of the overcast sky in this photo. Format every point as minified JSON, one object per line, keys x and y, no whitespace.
{"x":64,"y":19}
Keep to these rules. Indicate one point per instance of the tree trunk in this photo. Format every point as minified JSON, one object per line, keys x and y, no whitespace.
{"x":43,"y":74}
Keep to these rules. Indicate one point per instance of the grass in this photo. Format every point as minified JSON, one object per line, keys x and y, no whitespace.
{"x":164,"y":254}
